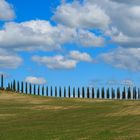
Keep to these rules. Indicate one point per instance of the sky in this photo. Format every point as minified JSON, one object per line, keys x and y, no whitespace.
{"x":70,"y":42}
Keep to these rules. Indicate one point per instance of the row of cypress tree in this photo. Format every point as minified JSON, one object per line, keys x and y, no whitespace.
{"x":87,"y":92}
{"x":84,"y":92}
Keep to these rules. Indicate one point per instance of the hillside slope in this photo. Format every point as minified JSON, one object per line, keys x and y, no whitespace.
{"x":26,"y":117}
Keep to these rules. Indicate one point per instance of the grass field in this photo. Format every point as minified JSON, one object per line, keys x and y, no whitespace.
{"x":26,"y":117}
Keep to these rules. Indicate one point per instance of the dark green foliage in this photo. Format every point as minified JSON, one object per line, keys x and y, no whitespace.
{"x":42,"y":90}
{"x":38,"y":90}
{"x":98,"y":93}
{"x":78,"y":92}
{"x":2,"y":82}
{"x":129,"y":93}
{"x":30,"y":88}
{"x":107,"y":93}
{"x":69,"y":92}
{"x":18,"y":86}
{"x":74,"y":92}
{"x":65,"y":92}
{"x":118,"y":93}
{"x":22,"y":87}
{"x":14,"y":85}
{"x":93,"y":94}
{"x":83,"y":92}
{"x":124,"y":93}
{"x":26,"y":88}
{"x":51,"y":92}
{"x":134,"y":93}
{"x":47,"y":91}
{"x":103,"y":93}
{"x":34,"y":89}
{"x":55,"y":91}
{"x":88,"y":92}
{"x":113,"y":93}
{"x":60,"y":92}
{"x":138,"y":93}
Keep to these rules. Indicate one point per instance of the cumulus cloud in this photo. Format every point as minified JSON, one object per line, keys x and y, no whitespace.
{"x":55,"y":62}
{"x":35,"y":80}
{"x":75,"y":22}
{"x":134,"y":2}
{"x":128,"y":59}
{"x":76,"y":55}
{"x":9,"y":60}
{"x":125,"y":17}
{"x":69,"y":61}
{"x":80,"y":15}
{"x":41,"y":35}
{"x":6,"y":10}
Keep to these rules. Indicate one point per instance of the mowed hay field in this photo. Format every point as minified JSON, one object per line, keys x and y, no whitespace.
{"x":27,"y":117}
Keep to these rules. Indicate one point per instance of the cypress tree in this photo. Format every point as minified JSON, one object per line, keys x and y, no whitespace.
{"x":51,"y":92}
{"x":14,"y":85}
{"x":26,"y":88}
{"x":69,"y":92}
{"x":93,"y":93}
{"x":124,"y":93}
{"x":42,"y":90}
{"x":2,"y":82}
{"x":64,"y":92}
{"x":88,"y":92}
{"x":107,"y":92}
{"x":103,"y":93}
{"x":138,"y":93}
{"x":30,"y":88}
{"x":118,"y":93}
{"x":98,"y":93}
{"x":18,"y":87}
{"x":34,"y":89}
{"x":55,"y":91}
{"x":134,"y":93}
{"x":38,"y":90}
{"x":47,"y":91}
{"x":74,"y":92}
{"x":129,"y":93}
{"x":113,"y":93}
{"x":83,"y":92}
{"x":22,"y":87}
{"x":60,"y":92}
{"x":78,"y":92}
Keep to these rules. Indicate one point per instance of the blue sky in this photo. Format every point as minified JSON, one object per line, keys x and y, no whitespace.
{"x":75,"y":42}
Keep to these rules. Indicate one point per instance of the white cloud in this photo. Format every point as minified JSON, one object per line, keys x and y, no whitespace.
{"x":69,"y":61}
{"x":9,"y":60}
{"x":55,"y":62}
{"x":75,"y":14}
{"x":41,"y":35}
{"x":127,"y":82}
{"x":132,"y":2}
{"x":6,"y":10}
{"x":125,"y":58}
{"x":35,"y":80}
{"x":76,"y":55}
{"x":88,"y":39}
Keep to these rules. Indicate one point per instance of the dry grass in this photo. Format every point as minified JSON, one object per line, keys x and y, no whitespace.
{"x":36,"y":118}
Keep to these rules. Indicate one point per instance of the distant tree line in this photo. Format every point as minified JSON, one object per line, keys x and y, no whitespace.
{"x":83,"y":92}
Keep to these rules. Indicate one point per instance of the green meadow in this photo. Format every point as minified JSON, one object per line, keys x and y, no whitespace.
{"x":28,"y":117}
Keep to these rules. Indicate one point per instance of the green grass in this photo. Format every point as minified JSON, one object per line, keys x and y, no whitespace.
{"x":26,"y":117}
